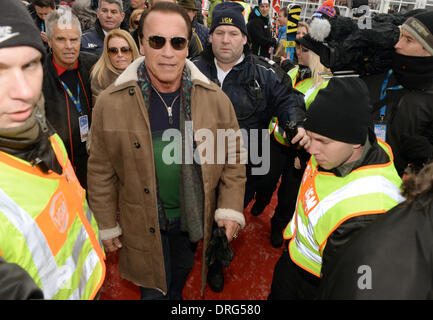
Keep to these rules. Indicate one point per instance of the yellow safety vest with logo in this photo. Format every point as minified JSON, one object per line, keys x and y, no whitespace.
{"x":310,"y":92}
{"x":47,"y":228}
{"x":326,"y":201}
{"x":247,"y":10}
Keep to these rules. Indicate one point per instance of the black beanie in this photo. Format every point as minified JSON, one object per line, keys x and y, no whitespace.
{"x":341,"y":111}
{"x":17,"y":27}
{"x":228,"y":13}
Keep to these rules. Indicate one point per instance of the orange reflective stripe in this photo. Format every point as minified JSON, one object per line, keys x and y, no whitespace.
{"x":72,"y":178}
{"x":24,"y":166}
{"x":308,"y":195}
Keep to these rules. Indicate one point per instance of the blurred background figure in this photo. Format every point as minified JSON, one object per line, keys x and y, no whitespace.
{"x":110,"y":16}
{"x":39,"y":10}
{"x":134,"y":5}
{"x":134,"y":22}
{"x":118,"y":53}
{"x":259,"y":30}
{"x":85,"y":13}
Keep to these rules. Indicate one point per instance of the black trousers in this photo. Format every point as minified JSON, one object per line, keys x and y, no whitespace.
{"x":291,"y":282}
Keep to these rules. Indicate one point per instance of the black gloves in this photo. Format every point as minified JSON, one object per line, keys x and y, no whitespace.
{"x":218,"y":248}
{"x":291,"y":130}
{"x":416,"y":149}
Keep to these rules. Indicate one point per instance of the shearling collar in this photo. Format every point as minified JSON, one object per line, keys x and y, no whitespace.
{"x":130,"y":74}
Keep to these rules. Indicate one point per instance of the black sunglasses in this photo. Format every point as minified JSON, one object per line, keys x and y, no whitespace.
{"x":115,"y":51}
{"x":158,"y":42}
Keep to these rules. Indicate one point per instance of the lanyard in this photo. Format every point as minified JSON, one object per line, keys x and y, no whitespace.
{"x":75,"y":101}
{"x":383,"y":92}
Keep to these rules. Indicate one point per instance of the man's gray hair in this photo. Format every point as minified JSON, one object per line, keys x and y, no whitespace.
{"x":64,"y":18}
{"x":118,"y":2}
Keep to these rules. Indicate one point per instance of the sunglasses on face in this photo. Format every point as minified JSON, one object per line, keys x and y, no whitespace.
{"x":114,"y":51}
{"x":158,"y":42}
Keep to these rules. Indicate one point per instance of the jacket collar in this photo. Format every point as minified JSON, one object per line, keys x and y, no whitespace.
{"x":130,"y":74}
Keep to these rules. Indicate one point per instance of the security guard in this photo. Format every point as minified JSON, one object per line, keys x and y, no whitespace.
{"x":349,"y":181}
{"x":46,"y":227}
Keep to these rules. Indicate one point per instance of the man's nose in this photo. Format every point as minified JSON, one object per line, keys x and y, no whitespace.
{"x":20,"y":86}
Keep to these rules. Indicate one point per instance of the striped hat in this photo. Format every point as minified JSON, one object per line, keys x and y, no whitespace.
{"x":326,"y":10}
{"x":421,"y":27}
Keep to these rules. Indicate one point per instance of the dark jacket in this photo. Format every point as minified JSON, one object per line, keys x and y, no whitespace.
{"x":16,"y":283}
{"x":390,"y":259}
{"x":59,"y":108}
{"x":194,"y":48}
{"x":202,"y":32}
{"x":93,"y":40}
{"x":39,"y":23}
{"x":408,"y":113}
{"x":250,"y":79}
{"x":259,"y":34}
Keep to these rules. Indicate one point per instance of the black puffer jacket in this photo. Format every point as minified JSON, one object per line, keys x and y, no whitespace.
{"x":16,"y":283}
{"x":241,"y":86}
{"x":59,"y":108}
{"x":259,"y":34}
{"x":390,"y":259}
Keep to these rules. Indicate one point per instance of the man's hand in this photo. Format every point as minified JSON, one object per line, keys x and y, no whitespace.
{"x":232,"y":228}
{"x":44,"y":36}
{"x":302,"y":138}
{"x":112,"y":245}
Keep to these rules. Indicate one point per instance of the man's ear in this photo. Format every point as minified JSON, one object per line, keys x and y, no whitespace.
{"x":141,"y":49}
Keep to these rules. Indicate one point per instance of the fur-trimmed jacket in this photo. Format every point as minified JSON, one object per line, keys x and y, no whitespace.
{"x":121,"y":167}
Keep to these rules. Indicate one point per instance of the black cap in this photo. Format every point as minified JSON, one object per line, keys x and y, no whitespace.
{"x":17,"y":27}
{"x":341,"y":111}
{"x":228,"y":13}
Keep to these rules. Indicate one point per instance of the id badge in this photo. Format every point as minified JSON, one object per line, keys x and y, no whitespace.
{"x":84,"y":127}
{"x":380,"y":131}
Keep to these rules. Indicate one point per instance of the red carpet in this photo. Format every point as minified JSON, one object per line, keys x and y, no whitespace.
{"x":248,"y":277}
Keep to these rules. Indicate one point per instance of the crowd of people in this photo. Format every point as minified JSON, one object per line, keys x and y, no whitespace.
{"x":111,"y":115}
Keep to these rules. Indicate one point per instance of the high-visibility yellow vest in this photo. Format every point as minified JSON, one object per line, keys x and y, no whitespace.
{"x":247,"y":10}
{"x":310,"y":92}
{"x":47,"y":228}
{"x":325,"y":201}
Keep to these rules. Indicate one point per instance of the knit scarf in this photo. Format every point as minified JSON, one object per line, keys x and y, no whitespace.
{"x":413,"y":72}
{"x":191,"y":193}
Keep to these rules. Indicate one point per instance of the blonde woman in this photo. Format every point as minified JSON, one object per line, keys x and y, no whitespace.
{"x":134,"y":22}
{"x":118,"y":53}
{"x":134,"y":19}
